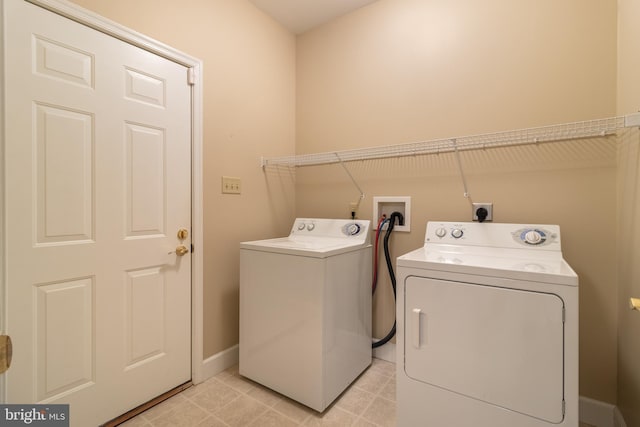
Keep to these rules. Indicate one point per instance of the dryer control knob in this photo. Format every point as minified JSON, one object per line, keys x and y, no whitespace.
{"x":457,"y":233}
{"x":533,"y":237}
{"x":441,"y":232}
{"x":301,"y":226}
{"x":311,"y":226}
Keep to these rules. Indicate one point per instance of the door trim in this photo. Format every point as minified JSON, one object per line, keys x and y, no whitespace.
{"x":104,"y":25}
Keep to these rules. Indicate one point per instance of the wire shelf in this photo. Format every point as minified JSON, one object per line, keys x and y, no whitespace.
{"x":560,"y":132}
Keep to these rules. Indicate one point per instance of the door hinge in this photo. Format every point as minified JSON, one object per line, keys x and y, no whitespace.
{"x":564,"y":407}
{"x":192,"y":248}
{"x":564,"y":315}
{"x":191,"y":76}
{"x":6,"y":352}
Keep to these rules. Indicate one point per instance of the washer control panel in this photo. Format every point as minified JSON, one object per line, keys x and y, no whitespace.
{"x":309,"y":226}
{"x":494,"y":235}
{"x":320,"y":227}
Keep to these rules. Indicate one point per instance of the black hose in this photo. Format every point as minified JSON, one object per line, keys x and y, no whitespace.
{"x":392,"y":276}
{"x":375,"y":255}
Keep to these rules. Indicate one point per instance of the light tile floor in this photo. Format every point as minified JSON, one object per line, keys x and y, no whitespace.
{"x":229,"y":400}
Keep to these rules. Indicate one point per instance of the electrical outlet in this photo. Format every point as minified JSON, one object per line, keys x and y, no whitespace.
{"x":487,"y":206}
{"x":230,"y":185}
{"x":353,"y":208}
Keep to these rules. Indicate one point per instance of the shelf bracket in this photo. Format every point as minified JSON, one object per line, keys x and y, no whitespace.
{"x":356,"y":204}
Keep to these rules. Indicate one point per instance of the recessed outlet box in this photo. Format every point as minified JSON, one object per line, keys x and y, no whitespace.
{"x":231,"y":185}
{"x":387,"y":205}
{"x":487,"y":206}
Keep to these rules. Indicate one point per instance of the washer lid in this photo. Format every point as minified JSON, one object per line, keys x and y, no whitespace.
{"x":318,"y":247}
{"x":317,"y":237}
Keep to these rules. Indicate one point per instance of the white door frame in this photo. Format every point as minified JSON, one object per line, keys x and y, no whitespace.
{"x":99,"y":23}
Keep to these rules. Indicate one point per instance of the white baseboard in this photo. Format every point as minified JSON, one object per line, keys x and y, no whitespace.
{"x":386,"y":352}
{"x":219,"y":362}
{"x":600,"y":414}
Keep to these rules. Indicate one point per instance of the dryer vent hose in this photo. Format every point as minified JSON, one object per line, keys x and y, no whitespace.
{"x":392,"y":275}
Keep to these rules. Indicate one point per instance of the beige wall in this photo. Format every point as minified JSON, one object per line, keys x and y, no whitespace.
{"x":406,"y":70}
{"x":249,"y":111}
{"x":629,"y":214}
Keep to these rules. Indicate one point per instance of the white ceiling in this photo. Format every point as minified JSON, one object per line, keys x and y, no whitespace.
{"x":299,"y":16}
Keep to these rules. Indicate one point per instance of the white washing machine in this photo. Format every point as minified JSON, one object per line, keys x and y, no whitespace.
{"x":305,"y":309}
{"x":487,"y":328}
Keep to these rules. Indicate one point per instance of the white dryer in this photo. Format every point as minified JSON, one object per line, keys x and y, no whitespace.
{"x":305,"y":309}
{"x":487,"y":323}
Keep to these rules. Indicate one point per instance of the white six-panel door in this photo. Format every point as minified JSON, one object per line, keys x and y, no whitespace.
{"x":98,"y":169}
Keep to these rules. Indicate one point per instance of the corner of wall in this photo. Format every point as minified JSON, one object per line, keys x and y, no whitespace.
{"x":217,"y":363}
{"x":597,"y":413}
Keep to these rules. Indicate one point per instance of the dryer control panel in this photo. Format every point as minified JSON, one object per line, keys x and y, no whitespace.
{"x":543,"y":237}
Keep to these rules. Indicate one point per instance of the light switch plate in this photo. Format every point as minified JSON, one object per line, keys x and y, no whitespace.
{"x":231,"y":185}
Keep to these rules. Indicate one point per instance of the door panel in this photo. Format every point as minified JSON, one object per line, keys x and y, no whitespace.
{"x":98,"y":182}
{"x":146,"y":315}
{"x":498,"y":345}
{"x":64,"y":348}
{"x":64,"y":175}
{"x":63,"y":62}
{"x":146,"y":189}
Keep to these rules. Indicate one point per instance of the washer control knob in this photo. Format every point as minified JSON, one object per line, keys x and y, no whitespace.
{"x":457,"y":233}
{"x":353,"y":229}
{"x":533,"y":237}
{"x":301,"y":226}
{"x":311,"y":226}
{"x":441,"y":232}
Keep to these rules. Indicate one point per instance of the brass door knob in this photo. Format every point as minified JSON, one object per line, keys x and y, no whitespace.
{"x":181,"y":250}
{"x":6,"y":350}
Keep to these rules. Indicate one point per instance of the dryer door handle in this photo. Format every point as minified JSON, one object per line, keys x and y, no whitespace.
{"x":415,"y":329}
